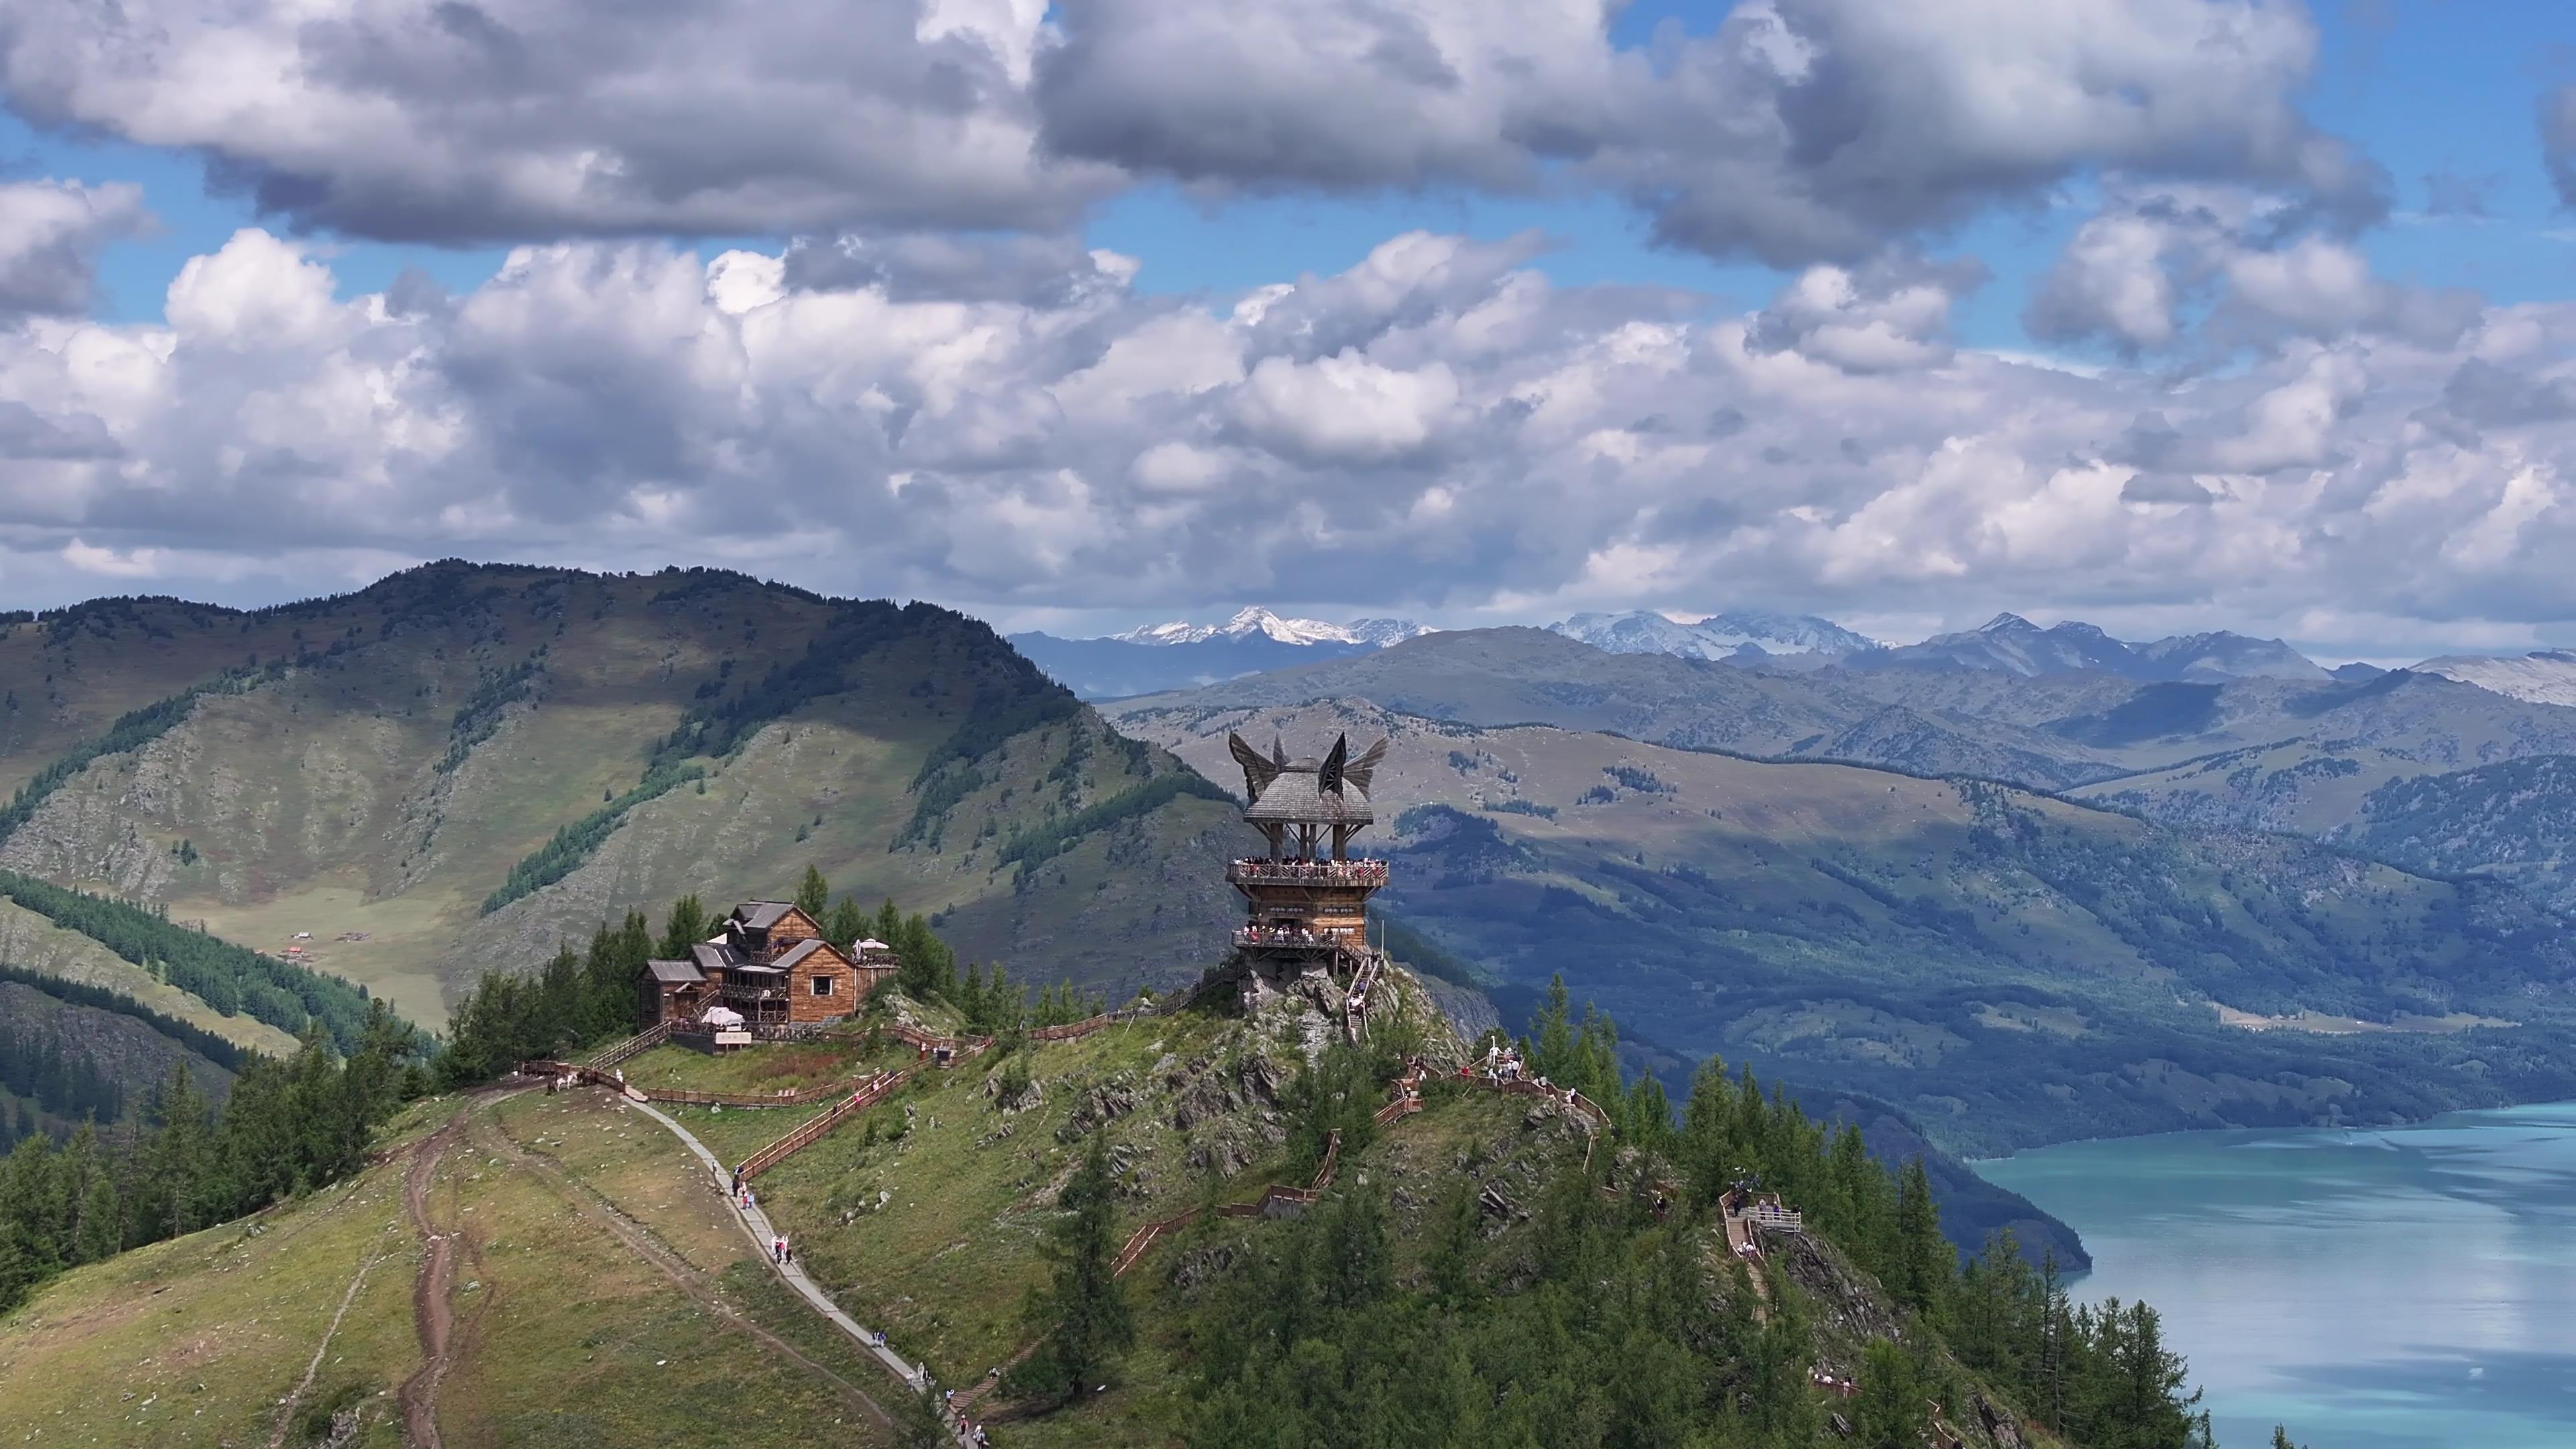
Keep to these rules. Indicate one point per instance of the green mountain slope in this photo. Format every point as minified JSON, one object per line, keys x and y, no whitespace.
{"x":526,"y":1267}
{"x":464,"y":764}
{"x":2007,"y":967}
{"x":2516,"y":821}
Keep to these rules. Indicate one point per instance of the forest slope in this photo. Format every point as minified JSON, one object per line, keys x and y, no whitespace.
{"x":458,"y":766}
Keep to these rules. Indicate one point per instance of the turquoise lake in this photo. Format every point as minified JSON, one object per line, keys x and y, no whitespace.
{"x":2406,"y":1288}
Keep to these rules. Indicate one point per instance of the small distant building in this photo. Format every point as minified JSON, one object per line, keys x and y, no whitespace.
{"x":771,"y":964}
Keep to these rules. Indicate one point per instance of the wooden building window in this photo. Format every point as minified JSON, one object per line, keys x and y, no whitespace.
{"x":822,"y":986}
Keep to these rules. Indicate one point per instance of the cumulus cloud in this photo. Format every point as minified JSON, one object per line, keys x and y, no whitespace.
{"x":1889,"y":317}
{"x":1795,"y":132}
{"x":2256,"y":261}
{"x":483,"y":120}
{"x":51,"y":233}
{"x":1474,"y":442}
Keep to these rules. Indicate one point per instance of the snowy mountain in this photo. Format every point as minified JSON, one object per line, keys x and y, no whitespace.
{"x":1258,"y":621}
{"x":2546,"y":676}
{"x":2015,"y":645}
{"x":1183,"y":655}
{"x":1738,"y":634}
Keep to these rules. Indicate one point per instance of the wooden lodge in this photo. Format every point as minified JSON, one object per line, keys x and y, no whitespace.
{"x":770,"y":965}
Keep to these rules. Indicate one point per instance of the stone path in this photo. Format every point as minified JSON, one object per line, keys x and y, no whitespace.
{"x":763,"y":1233}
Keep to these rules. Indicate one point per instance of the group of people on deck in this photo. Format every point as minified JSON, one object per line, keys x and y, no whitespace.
{"x":1317,"y":870}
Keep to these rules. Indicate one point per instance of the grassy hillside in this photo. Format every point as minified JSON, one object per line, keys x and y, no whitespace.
{"x":267,"y":1329}
{"x":30,"y":942}
{"x":2006,"y":967}
{"x":532,"y":1268}
{"x":456,"y":767}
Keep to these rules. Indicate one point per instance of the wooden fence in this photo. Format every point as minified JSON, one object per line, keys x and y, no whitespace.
{"x":618,"y":1051}
{"x":813,"y":1131}
{"x":1273,"y":1200}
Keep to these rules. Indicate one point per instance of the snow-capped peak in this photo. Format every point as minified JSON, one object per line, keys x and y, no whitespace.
{"x":1729,"y":634}
{"x":1257,"y":620}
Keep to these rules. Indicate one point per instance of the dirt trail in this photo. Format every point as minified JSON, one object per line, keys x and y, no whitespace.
{"x":286,"y":1411}
{"x":432,"y":1320}
{"x":639,"y":1239}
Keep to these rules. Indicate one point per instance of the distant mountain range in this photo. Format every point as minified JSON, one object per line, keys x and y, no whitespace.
{"x":1261,"y":623}
{"x":2015,"y":645}
{"x":1183,"y":655}
{"x":1741,"y":635}
{"x":2547,"y":676}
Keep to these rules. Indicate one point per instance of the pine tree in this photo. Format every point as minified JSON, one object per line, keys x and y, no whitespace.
{"x":1087,"y":1314}
{"x":1925,"y":1263}
{"x":847,"y":923}
{"x":813,"y":894}
{"x":1891,"y":1412}
{"x":688,"y":925}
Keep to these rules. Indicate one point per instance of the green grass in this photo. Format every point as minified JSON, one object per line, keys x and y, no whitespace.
{"x":782,"y":1066}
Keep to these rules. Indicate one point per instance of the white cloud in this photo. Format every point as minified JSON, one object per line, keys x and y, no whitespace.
{"x":51,"y":233}
{"x":1476,"y":442}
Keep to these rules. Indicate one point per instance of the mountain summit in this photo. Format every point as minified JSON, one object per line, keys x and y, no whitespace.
{"x":1247,"y":623}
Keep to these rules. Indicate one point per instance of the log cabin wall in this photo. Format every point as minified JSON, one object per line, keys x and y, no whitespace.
{"x":826,"y":964}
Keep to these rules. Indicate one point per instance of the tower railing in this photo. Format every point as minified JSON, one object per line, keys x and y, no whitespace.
{"x":1259,"y":870}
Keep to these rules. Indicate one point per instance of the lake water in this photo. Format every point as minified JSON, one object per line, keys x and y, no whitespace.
{"x":2409,"y":1288}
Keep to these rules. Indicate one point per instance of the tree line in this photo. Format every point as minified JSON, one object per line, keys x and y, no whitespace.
{"x":183,"y":1162}
{"x":233,"y":979}
{"x":1595,"y":1325}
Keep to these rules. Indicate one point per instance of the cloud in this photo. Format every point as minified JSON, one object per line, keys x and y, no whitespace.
{"x":1794,"y":132}
{"x":2256,"y":263}
{"x":1797,"y":131}
{"x":2557,"y":116}
{"x":466,"y":121}
{"x":51,"y":233}
{"x":1474,"y":441}
{"x":1889,"y":317}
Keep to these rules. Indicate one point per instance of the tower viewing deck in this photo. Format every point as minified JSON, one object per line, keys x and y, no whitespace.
{"x":1306,"y":898}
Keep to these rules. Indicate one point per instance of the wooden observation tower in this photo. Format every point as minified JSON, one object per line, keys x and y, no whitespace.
{"x":1308,"y":898}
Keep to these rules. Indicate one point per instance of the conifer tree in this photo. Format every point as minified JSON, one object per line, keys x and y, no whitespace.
{"x":813,"y":894}
{"x":846,"y":924}
{"x":1925,"y":1263}
{"x":687,"y":926}
{"x":1086,"y":1311}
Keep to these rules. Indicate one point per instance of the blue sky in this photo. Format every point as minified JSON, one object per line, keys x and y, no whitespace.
{"x":2187,"y":393}
{"x":2430,"y":88}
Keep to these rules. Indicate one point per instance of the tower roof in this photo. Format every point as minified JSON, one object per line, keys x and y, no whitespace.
{"x":1330,"y":791}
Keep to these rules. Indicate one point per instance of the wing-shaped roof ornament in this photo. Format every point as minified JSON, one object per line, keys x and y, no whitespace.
{"x":1329,"y":778}
{"x":1360,"y":771}
{"x":1257,"y":772}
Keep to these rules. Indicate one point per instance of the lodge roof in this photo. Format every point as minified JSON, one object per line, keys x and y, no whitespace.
{"x":713,"y":956}
{"x":802,"y":949}
{"x":761,"y":915}
{"x":675,"y":973}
